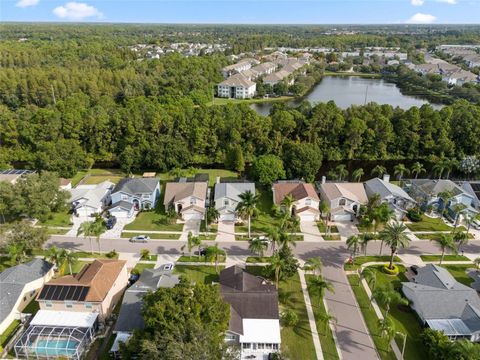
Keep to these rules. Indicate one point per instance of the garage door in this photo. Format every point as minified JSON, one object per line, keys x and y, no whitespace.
{"x":192,"y":216}
{"x":227,"y":217}
{"x":306,"y":217}
{"x":119,"y":213}
{"x":342,"y":217}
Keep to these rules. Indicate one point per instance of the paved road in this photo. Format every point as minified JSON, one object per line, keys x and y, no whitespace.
{"x":353,"y":337}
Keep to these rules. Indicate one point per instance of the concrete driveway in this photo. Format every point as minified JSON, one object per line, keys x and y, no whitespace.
{"x":116,"y":231}
{"x":310,"y":231}
{"x":226,"y":231}
{"x":192,"y":226}
{"x":77,"y":221}
{"x":346,"y":229}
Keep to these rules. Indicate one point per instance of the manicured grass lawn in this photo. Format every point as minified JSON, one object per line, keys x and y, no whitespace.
{"x":95,"y":255}
{"x":246,"y":238}
{"x":435,"y":236}
{"x":257,"y":259}
{"x":152,"y":221}
{"x":140,"y":267}
{"x":52,"y":231}
{"x":201,"y":259}
{"x":459,"y":273}
{"x":325,"y":333}
{"x":447,"y":257}
{"x":129,"y":235}
{"x":297,"y":342}
{"x":429,"y":224}
{"x":204,"y":237}
{"x":78,"y":176}
{"x":323,"y":229}
{"x":8,"y":333}
{"x":331,"y":237}
{"x":198,"y":274}
{"x":61,"y":219}
{"x":150,"y":258}
{"x":360,"y":260}
{"x":212,"y":175}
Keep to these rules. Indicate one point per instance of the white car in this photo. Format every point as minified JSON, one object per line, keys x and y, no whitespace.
{"x":140,"y":239}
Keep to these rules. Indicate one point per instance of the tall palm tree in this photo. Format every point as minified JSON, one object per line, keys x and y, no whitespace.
{"x":70,"y":259}
{"x":247,"y":207}
{"x":450,"y":164}
{"x":196,"y":241}
{"x":276,"y":264}
{"x":287,"y":203}
{"x":274,"y":237}
{"x":378,"y":171}
{"x":445,"y":241}
{"x":98,"y":228}
{"x":386,"y":296}
{"x":382,"y":215}
{"x":458,"y":209}
{"x":328,"y":318}
{"x":387,"y":330}
{"x":357,"y":174}
{"x":400,"y":170}
{"x":257,"y":246}
{"x":315,"y":264}
{"x":364,"y":240}
{"x":324,"y":211}
{"x":87,"y":229}
{"x":54,"y":255}
{"x":417,"y":169}
{"x":370,"y":276}
{"x":353,"y":243}
{"x":318,"y":285}
{"x":459,"y":238}
{"x":286,"y":240}
{"x":214,"y":252}
{"x":189,"y":243}
{"x":212,"y":215}
{"x":439,"y":169}
{"x":394,"y":236}
{"x":342,"y":171}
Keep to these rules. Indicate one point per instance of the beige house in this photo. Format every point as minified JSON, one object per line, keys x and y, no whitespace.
{"x":187,"y":198}
{"x":306,"y":203}
{"x":344,"y":199}
{"x":237,"y":86}
{"x":96,"y":288}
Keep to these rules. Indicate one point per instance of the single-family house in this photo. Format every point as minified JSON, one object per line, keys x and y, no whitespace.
{"x":188,"y":198}
{"x":227,"y":197}
{"x":444,"y":304}
{"x":134,"y":194}
{"x":87,"y":200}
{"x":237,"y":86}
{"x":398,"y":200}
{"x":96,"y":288}
{"x":254,"y":318}
{"x":472,"y":188}
{"x":428,"y":192}
{"x":65,"y":184}
{"x":13,"y":175}
{"x":18,"y":287}
{"x":130,"y":316}
{"x":344,"y":199}
{"x":306,"y":200}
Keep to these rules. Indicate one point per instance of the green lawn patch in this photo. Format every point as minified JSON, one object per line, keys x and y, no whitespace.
{"x":53,"y":231}
{"x":323,"y":229}
{"x":61,"y":219}
{"x":429,"y":224}
{"x":32,"y":307}
{"x":200,"y":259}
{"x":257,"y":259}
{"x":96,"y":176}
{"x":198,"y":274}
{"x":296,"y":237}
{"x":153,"y":257}
{"x":152,"y":236}
{"x":329,"y":348}
{"x":297,"y":342}
{"x":212,"y":175}
{"x":95,"y":255}
{"x":447,"y":257}
{"x":139,"y":267}
{"x":152,"y":221}
{"x":334,"y":237}
{"x":435,"y":236}
{"x":360,"y":260}
{"x":458,"y":271}
{"x":212,"y":228}
{"x":204,"y":237}
{"x":8,"y":333}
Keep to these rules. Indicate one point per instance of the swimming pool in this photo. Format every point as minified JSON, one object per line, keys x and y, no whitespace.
{"x":55,"y":347}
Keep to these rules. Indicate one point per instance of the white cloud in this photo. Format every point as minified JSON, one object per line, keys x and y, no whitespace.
{"x":417,"y":2}
{"x":451,"y":2}
{"x":76,"y":11}
{"x":420,"y":18}
{"x":26,"y":3}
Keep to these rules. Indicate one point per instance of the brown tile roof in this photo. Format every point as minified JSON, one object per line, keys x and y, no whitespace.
{"x":298,"y":190}
{"x":99,"y":277}
{"x":308,"y":208}
{"x":64,"y":181}
{"x":175,"y":191}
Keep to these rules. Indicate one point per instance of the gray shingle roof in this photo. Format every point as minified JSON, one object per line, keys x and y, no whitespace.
{"x":434,"y":187}
{"x":378,"y":186}
{"x":123,"y":204}
{"x":136,"y":185}
{"x":233,"y":190}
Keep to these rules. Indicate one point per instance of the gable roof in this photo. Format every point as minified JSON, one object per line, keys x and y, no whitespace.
{"x":92,"y":193}
{"x":136,"y":185}
{"x":237,"y":80}
{"x":92,"y":283}
{"x":175,"y":191}
{"x":232,"y":190}
{"x":352,"y":191}
{"x":298,"y":189}
{"x":378,"y":186}
{"x":434,"y":187}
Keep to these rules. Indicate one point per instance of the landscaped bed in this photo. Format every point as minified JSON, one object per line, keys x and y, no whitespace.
{"x":8,"y":333}
{"x":257,"y":259}
{"x":129,"y":235}
{"x":334,"y":237}
{"x":429,"y":224}
{"x":446,"y":257}
{"x":296,"y":237}
{"x":152,"y":221}
{"x":360,"y":260}
{"x":323,"y":229}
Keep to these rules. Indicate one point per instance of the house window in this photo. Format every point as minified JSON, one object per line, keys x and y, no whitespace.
{"x":24,"y":298}
{"x":48,"y":304}
{"x":246,"y":346}
{"x":225,"y":202}
{"x":275,"y":346}
{"x":193,"y":201}
{"x":342,"y":202}
{"x":260,"y":346}
{"x":124,"y":197}
{"x":308,"y":202}
{"x":68,"y":304}
{"x":88,"y":305}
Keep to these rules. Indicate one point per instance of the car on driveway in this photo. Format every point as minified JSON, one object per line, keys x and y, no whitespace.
{"x":110,"y":222}
{"x":414,"y":269}
{"x":167,"y":267}
{"x":140,"y":239}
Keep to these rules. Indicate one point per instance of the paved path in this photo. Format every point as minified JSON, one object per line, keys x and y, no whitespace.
{"x":346,"y":229}
{"x":192,"y":226}
{"x":310,"y":231}
{"x":132,"y":259}
{"x":226,"y":231}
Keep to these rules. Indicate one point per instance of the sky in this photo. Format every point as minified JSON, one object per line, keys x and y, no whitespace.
{"x":245,"y":11}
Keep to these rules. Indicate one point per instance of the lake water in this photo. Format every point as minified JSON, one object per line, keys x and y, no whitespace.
{"x":353,"y":90}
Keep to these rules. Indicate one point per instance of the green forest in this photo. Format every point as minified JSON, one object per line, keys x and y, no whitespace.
{"x":74,"y":96}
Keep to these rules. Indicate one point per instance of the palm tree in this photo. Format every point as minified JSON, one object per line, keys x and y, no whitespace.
{"x":386,"y":296}
{"x":445,"y":196}
{"x":286,"y":240}
{"x":214,"y":252}
{"x":211,"y":216}
{"x":98,"y":228}
{"x":394,"y":236}
{"x":460,"y":238}
{"x":450,"y":164}
{"x":467,"y":349}
{"x":328,"y":318}
{"x":381,"y":216}
{"x":417,"y":169}
{"x":458,"y":210}
{"x":342,"y":171}
{"x":70,"y":259}
{"x":276,"y":264}
{"x":353,"y":242}
{"x":15,"y":253}
{"x":324,"y":210}
{"x":318,"y":285}
{"x":196,"y":241}
{"x":438,"y":169}
{"x":400,"y":170}
{"x":315,"y":264}
{"x":364,"y":240}
{"x":87,"y":229}
{"x":54,"y":255}
{"x":357,"y":174}
{"x":247,"y":207}
{"x":378,"y":171}
{"x":477,"y":262}
{"x":445,"y":241}
{"x":370,"y":276}
{"x":274,"y":237}
{"x":189,"y":243}
{"x":145,"y":254}
{"x":387,"y":330}
{"x":258,"y":246}
{"x":287,"y":203}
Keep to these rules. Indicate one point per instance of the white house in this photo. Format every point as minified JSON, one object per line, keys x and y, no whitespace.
{"x":187,"y":198}
{"x":237,"y":87}
{"x":18,"y":287}
{"x":344,"y":199}
{"x":306,"y":201}
{"x":227,"y":197}
{"x":87,"y":200}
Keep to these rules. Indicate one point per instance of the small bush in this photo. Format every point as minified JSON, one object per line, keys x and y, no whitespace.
{"x":393,"y":271}
{"x":289,"y":318}
{"x":414,"y":215}
{"x":135,"y":271}
{"x":112,"y":254}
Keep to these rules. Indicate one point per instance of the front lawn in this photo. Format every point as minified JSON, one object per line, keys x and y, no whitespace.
{"x":297,"y":342}
{"x":129,"y":235}
{"x":429,"y":224}
{"x":323,"y":229}
{"x":198,"y":274}
{"x":139,"y":267}
{"x":360,"y":260}
{"x":60,"y":219}
{"x":458,"y":271}
{"x":331,"y":237}
{"x":200,"y":259}
{"x":435,"y":236}
{"x":329,"y":348}
{"x":296,"y":237}
{"x":152,"y":221}
{"x":8,"y":333}
{"x":447,"y":257}
{"x":95,"y":255}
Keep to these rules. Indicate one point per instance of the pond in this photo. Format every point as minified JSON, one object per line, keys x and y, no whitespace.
{"x":353,"y":90}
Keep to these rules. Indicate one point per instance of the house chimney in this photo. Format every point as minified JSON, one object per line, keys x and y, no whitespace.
{"x":324,"y":179}
{"x":386,"y":178}
{"x":217,"y":180}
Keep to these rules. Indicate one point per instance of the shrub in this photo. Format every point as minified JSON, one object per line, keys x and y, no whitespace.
{"x":393,"y":271}
{"x":135,"y":271}
{"x":414,"y":215}
{"x":289,"y":318}
{"x":145,"y":254}
{"x":112,"y":254}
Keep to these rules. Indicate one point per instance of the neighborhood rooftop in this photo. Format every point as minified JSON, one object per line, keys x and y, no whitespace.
{"x":136,"y":185}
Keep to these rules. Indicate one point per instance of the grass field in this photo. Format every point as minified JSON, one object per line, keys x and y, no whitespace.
{"x":458,"y":271}
{"x":61,"y":219}
{"x":52,"y":231}
{"x":198,"y":274}
{"x":129,"y":235}
{"x":435,"y":236}
{"x":212,"y":175}
{"x":96,"y":176}
{"x":429,"y":224}
{"x":447,"y":257}
{"x":140,"y":267}
{"x":152,"y":221}
{"x":360,"y":260}
{"x":325,"y":333}
{"x":201,"y":259}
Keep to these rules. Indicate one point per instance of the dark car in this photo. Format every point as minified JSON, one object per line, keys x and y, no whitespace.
{"x":110,"y":222}
{"x":202,"y":252}
{"x":414,"y":269}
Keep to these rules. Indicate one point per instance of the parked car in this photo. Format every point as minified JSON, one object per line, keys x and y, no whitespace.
{"x":414,"y":269}
{"x":140,"y":239}
{"x":202,"y":252}
{"x":168,"y":267}
{"x":476,"y":224}
{"x":110,"y":222}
